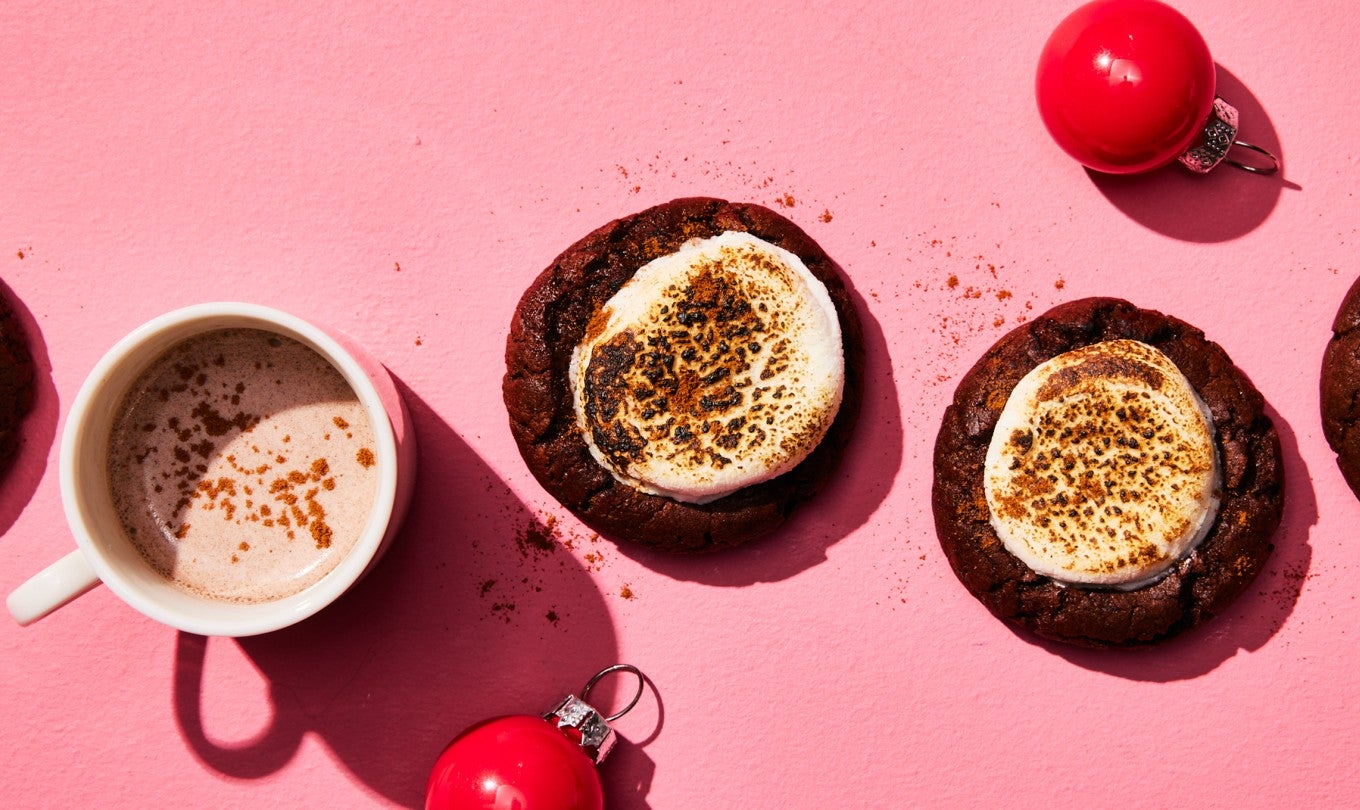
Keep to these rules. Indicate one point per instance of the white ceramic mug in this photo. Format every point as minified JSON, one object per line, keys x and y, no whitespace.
{"x":104,"y":554}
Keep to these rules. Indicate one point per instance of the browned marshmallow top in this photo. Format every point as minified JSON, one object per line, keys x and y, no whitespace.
{"x":1102,"y":468}
{"x":713,"y":368}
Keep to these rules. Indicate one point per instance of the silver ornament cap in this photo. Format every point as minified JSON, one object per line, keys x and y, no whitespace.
{"x":1217,"y":139}
{"x":596,"y":735}
{"x":597,"y":738}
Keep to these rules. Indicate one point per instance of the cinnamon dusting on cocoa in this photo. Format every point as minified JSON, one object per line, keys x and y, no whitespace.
{"x":229,"y":494}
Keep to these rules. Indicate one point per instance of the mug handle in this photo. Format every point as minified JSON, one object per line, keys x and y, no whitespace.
{"x":52,"y":587}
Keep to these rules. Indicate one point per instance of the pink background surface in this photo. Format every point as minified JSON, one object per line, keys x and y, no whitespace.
{"x":405,"y":171}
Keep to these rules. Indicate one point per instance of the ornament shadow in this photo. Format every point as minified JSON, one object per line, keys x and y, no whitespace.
{"x":627,"y":777}
{"x":861,"y":482}
{"x":1256,"y":617}
{"x":627,"y":773}
{"x":457,"y":624}
{"x":1216,"y":207}
{"x":38,"y":430}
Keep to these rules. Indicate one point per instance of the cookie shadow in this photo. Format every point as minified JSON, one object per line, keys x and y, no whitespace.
{"x":1216,"y":207}
{"x":38,"y":429}
{"x":1251,"y":621}
{"x":857,"y":488}
{"x":458,"y":623}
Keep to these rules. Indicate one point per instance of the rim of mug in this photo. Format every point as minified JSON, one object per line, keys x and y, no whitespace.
{"x":230,"y":618}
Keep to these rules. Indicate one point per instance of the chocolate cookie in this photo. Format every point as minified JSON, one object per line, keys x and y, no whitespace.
{"x":1340,"y":383}
{"x":552,"y":318}
{"x":16,"y":381}
{"x":1198,"y":586}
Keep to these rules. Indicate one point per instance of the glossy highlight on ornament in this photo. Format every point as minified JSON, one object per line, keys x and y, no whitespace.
{"x":1127,"y":86}
{"x":527,"y":762}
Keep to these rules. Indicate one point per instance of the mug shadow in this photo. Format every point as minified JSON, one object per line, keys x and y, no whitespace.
{"x":1216,"y":207}
{"x":461,"y":621}
{"x":39,"y":428}
{"x":1251,"y":621}
{"x":861,"y":482}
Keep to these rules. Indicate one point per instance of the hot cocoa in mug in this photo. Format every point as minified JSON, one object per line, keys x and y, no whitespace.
{"x":241,"y":465}
{"x":228,"y":469}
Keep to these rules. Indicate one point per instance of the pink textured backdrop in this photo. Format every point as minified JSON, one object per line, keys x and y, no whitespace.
{"x":403,"y":170}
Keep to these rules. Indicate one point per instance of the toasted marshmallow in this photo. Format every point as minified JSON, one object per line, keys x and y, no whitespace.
{"x":1102,"y":469}
{"x":712,"y":369}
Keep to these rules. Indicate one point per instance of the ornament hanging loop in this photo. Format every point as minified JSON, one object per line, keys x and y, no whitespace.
{"x":595,"y":679}
{"x":1247,"y":167}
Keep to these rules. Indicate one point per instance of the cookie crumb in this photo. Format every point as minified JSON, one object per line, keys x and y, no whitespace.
{"x":537,"y":537}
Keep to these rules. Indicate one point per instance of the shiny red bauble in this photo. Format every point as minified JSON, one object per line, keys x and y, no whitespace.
{"x":514,"y":763}
{"x":1125,"y":85}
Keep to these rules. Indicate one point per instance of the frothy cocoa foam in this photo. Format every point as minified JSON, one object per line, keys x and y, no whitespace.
{"x":241,"y":466}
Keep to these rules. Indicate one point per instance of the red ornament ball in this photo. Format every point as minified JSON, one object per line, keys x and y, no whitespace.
{"x":1125,"y":85}
{"x":514,"y":763}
